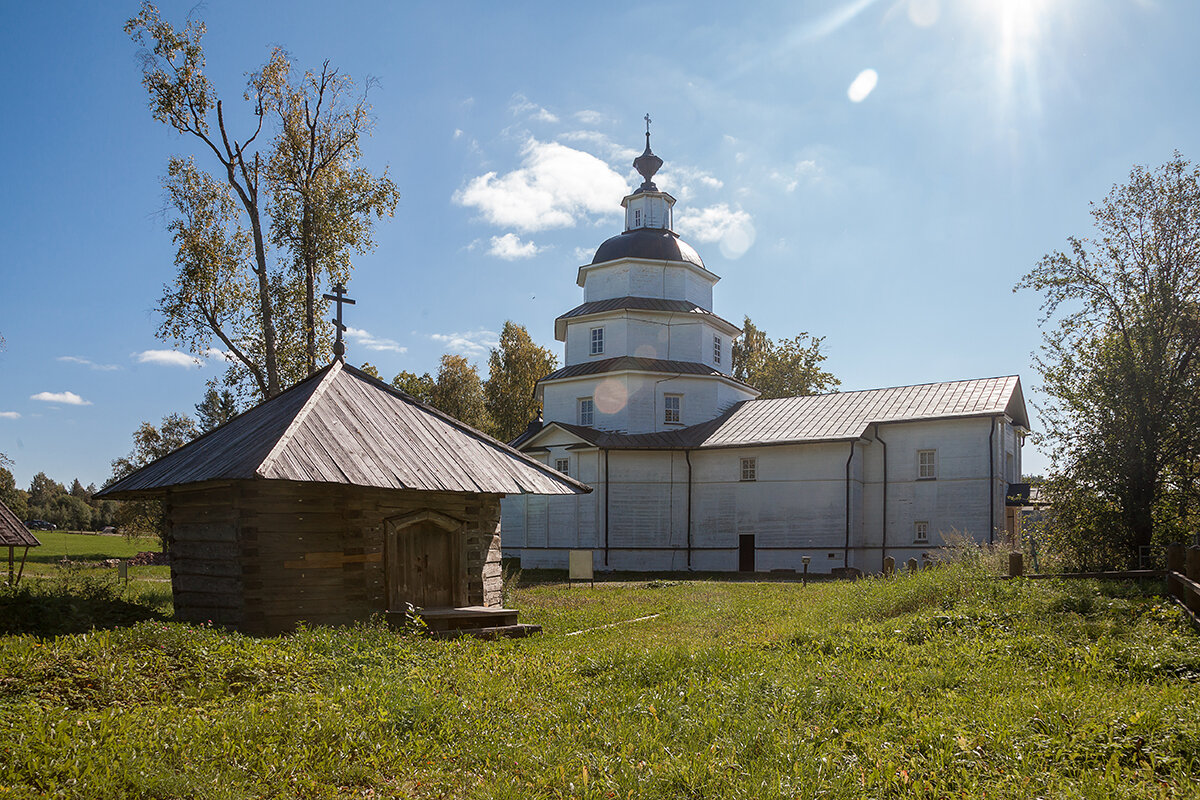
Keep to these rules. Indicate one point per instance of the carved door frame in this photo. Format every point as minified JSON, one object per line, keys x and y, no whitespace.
{"x":396,"y":571}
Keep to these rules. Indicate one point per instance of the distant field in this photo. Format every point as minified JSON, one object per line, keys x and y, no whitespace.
{"x":947,"y":684}
{"x":84,"y":547}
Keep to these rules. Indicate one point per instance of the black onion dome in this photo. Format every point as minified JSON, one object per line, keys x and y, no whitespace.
{"x":654,"y":244}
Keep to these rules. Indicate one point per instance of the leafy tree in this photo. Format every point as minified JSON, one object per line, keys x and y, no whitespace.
{"x":80,"y":491}
{"x":317,"y":203}
{"x":217,"y":408}
{"x":10,"y":495}
{"x":369,"y":368}
{"x":514,"y":369}
{"x":43,"y":489}
{"x":1120,"y":365}
{"x":149,"y":444}
{"x":788,"y":368}
{"x":459,"y":392}
{"x":419,"y":386}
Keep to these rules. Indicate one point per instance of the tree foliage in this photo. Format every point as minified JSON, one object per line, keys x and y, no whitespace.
{"x":303,"y":192}
{"x":458,"y":392}
{"x":418,"y":386}
{"x":787,"y":368}
{"x":217,"y":408}
{"x":1120,"y":365}
{"x":514,"y":368}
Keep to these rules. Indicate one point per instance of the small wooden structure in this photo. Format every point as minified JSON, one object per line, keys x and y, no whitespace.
{"x":335,"y":500}
{"x":14,"y":534}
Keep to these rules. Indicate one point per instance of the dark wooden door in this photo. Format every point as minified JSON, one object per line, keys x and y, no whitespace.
{"x":424,"y":568}
{"x":746,"y":552}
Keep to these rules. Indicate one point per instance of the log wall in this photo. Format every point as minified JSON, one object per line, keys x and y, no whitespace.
{"x":263,"y":556}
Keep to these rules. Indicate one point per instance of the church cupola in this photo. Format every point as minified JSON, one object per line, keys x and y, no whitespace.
{"x":648,"y":207}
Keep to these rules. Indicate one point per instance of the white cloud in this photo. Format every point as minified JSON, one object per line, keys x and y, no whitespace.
{"x":510,"y":247}
{"x":601,"y":143}
{"x":169,"y":358}
{"x":555,"y":187}
{"x":471,"y":343}
{"x":862,"y":85}
{"x":589,"y":117}
{"x":521,"y":105}
{"x":584,"y":255}
{"x":85,"y":362}
{"x":9,"y":415}
{"x":364,"y":339}
{"x":682,"y":180}
{"x":733,"y":228}
{"x":66,"y":398}
{"x":807,"y":171}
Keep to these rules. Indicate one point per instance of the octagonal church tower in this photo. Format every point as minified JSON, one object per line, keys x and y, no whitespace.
{"x":644,"y":352}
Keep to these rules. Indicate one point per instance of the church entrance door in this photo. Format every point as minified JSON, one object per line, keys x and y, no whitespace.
{"x":423,"y":563}
{"x":746,"y":552}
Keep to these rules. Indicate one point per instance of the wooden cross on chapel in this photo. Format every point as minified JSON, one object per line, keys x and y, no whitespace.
{"x":339,"y":297}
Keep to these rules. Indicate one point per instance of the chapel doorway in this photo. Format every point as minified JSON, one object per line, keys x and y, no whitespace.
{"x":746,"y":552}
{"x":424,"y":562}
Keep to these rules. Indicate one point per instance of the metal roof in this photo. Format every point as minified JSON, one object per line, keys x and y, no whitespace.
{"x":636,"y":304}
{"x":13,"y":532}
{"x":635,"y":364}
{"x":342,"y":426}
{"x":826,"y":417}
{"x":654,"y":244}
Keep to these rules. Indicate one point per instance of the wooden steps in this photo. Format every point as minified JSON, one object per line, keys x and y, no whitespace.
{"x":480,"y":621}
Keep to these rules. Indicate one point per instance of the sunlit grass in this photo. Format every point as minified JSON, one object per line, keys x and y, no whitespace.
{"x":943,"y":684}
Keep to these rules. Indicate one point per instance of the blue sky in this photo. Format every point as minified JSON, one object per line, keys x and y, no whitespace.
{"x":876,"y":172}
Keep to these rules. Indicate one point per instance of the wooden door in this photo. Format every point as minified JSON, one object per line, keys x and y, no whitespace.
{"x":746,"y":552}
{"x":423,"y":564}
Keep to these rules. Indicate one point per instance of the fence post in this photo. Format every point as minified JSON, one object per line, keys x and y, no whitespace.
{"x":1016,"y":564}
{"x":889,"y":566}
{"x":1175,"y":557}
{"x":1193,"y":563}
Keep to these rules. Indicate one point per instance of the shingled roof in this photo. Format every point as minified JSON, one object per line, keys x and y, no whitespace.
{"x":13,"y":532}
{"x":825,"y":417}
{"x":341,"y":426}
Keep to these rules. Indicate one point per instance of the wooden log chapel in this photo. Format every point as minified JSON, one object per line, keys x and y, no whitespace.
{"x":335,"y":500}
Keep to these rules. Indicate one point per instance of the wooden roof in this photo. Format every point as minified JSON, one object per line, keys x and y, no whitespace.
{"x":825,"y":417}
{"x":13,"y":532}
{"x":341,"y":426}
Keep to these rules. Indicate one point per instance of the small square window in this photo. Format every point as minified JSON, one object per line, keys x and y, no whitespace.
{"x":586,"y":411}
{"x":749,"y":469}
{"x":926,"y":464}
{"x":563,"y":465}
{"x":672,"y":404}
{"x":716,"y":349}
{"x":920,"y":532}
{"x":597,"y":341}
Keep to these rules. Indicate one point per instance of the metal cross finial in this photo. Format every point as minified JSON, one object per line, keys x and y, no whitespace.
{"x":647,"y":123}
{"x":339,"y":297}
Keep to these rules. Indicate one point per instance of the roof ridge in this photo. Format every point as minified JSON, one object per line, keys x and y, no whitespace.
{"x":332,"y":370}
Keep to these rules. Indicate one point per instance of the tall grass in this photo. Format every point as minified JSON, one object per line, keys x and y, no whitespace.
{"x":941,"y":684}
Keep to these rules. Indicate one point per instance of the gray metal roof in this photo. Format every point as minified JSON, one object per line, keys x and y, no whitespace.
{"x":635,"y":364}
{"x":342,"y":426}
{"x":13,"y":532}
{"x":636,"y":304}
{"x":653,"y":244}
{"x":826,"y":417}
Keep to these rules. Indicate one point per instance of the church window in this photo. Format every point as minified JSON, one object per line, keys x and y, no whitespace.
{"x":563,"y":465}
{"x":926,"y":465}
{"x":586,"y":411}
{"x":749,"y":469}
{"x":920,"y":532}
{"x":716,"y":349}
{"x":597,"y":341}
{"x":672,"y":404}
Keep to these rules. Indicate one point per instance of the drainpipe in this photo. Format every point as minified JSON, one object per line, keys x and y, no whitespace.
{"x":606,"y":504}
{"x":846,"y":554}
{"x":992,"y":483}
{"x":687,"y":456}
{"x":883,"y":543}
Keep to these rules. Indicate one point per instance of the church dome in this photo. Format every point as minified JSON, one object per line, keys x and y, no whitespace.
{"x":655,"y":244}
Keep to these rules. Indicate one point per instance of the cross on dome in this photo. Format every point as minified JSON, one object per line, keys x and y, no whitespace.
{"x":339,"y":297}
{"x":647,"y":164}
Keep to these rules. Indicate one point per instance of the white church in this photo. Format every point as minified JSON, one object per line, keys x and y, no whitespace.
{"x":692,"y":472}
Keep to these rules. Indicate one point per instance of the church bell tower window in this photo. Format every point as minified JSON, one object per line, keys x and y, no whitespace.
{"x":597,"y":341}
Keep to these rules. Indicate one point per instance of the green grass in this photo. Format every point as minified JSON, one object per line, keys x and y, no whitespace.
{"x":45,"y":561}
{"x":944,"y":684}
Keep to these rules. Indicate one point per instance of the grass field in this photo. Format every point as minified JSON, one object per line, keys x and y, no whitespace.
{"x":90,"y":548}
{"x":945,"y":684}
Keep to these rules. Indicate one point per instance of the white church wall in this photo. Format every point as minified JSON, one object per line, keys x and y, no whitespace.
{"x":649,"y":279}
